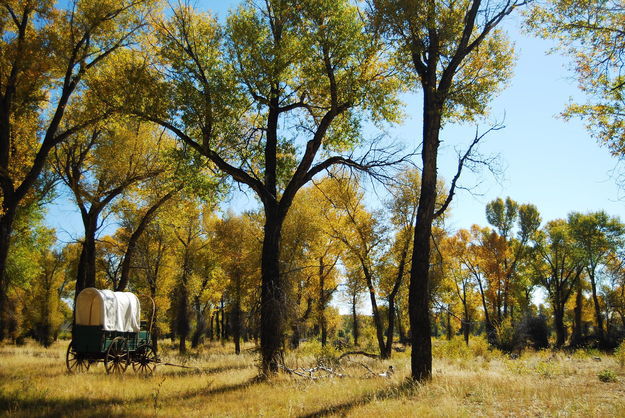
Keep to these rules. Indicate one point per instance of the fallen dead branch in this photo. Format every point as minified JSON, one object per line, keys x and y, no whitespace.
{"x":310,"y":373}
{"x":359,"y":353}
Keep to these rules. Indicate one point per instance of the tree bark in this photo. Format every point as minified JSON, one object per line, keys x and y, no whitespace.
{"x":598,"y":315}
{"x":272,"y":295}
{"x":236,"y":326}
{"x":419,"y":291}
{"x":576,"y":338}
{"x":377,"y":318}
{"x":6,"y":226}
{"x":86,"y":272}
{"x":355,"y":330}
{"x":558,"y":314}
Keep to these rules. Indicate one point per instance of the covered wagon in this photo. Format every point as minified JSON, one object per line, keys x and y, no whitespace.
{"x":108,"y":329}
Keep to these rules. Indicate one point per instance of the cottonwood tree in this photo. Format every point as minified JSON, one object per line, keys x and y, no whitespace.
{"x":98,"y":166}
{"x":596,"y":235}
{"x":508,"y":250}
{"x":48,"y":52}
{"x":452,"y":53}
{"x":310,"y":259}
{"x":558,"y":268}
{"x":299,"y":77}
{"x":363,"y":235}
{"x":238,"y":248}
{"x":591,"y":33}
{"x":460,"y":281}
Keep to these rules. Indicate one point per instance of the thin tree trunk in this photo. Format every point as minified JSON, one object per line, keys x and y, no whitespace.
{"x":134,"y":238}
{"x":377,"y":318}
{"x":236,"y":326}
{"x":355,"y":330}
{"x":323,"y":326}
{"x":449,"y":331}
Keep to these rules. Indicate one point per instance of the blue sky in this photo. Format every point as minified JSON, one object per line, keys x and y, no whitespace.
{"x":549,"y":162}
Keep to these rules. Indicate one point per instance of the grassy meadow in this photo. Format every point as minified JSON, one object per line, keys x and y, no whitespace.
{"x":466,"y":382}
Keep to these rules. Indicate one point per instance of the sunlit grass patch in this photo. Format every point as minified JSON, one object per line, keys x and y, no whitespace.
{"x":34,"y":382}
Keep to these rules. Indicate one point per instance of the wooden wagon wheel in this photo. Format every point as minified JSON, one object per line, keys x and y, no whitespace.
{"x":145,"y":360}
{"x":117,"y":357}
{"x":74,"y":361}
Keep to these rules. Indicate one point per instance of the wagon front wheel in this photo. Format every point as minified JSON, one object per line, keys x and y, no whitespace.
{"x":75,"y":362}
{"x":117,"y":357}
{"x":145,"y":361}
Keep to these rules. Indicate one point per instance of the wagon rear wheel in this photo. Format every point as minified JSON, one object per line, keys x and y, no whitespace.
{"x":145,"y":360}
{"x":117,"y":357}
{"x":75,"y":362}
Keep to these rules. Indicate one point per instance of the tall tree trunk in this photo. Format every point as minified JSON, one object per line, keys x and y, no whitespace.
{"x":86,"y":272}
{"x":491,"y":335}
{"x":377,"y":318}
{"x":355,"y":329}
{"x":200,"y":323}
{"x":449,"y":332}
{"x":390,"y":330}
{"x":466,"y":323}
{"x":598,"y":315}
{"x":558,"y":314}
{"x":224,"y":322}
{"x":6,"y":225}
{"x":419,"y":291}
{"x":323,"y":325}
{"x":182,"y":312}
{"x":576,"y":338}
{"x":400,"y":327}
{"x":236,"y":326}
{"x":272,"y":314}
{"x":217,"y":325}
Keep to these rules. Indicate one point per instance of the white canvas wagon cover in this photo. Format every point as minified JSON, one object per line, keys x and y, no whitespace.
{"x":114,"y":311}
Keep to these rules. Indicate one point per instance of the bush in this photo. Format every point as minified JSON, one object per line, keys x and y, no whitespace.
{"x":619,"y":354}
{"x":607,"y":376}
{"x":327,"y":355}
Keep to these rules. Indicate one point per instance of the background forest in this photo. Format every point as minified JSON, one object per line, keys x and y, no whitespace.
{"x":153,"y":116}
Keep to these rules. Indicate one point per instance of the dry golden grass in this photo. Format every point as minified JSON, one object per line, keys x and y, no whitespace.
{"x":34,"y":382}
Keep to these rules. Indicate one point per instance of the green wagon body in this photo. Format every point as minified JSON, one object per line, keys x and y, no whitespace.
{"x":93,"y":340}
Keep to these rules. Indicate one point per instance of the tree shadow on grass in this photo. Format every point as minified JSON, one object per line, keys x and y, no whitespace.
{"x":395,"y":391}
{"x":40,"y":406}
{"x":173,"y":371}
{"x":211,"y":391}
